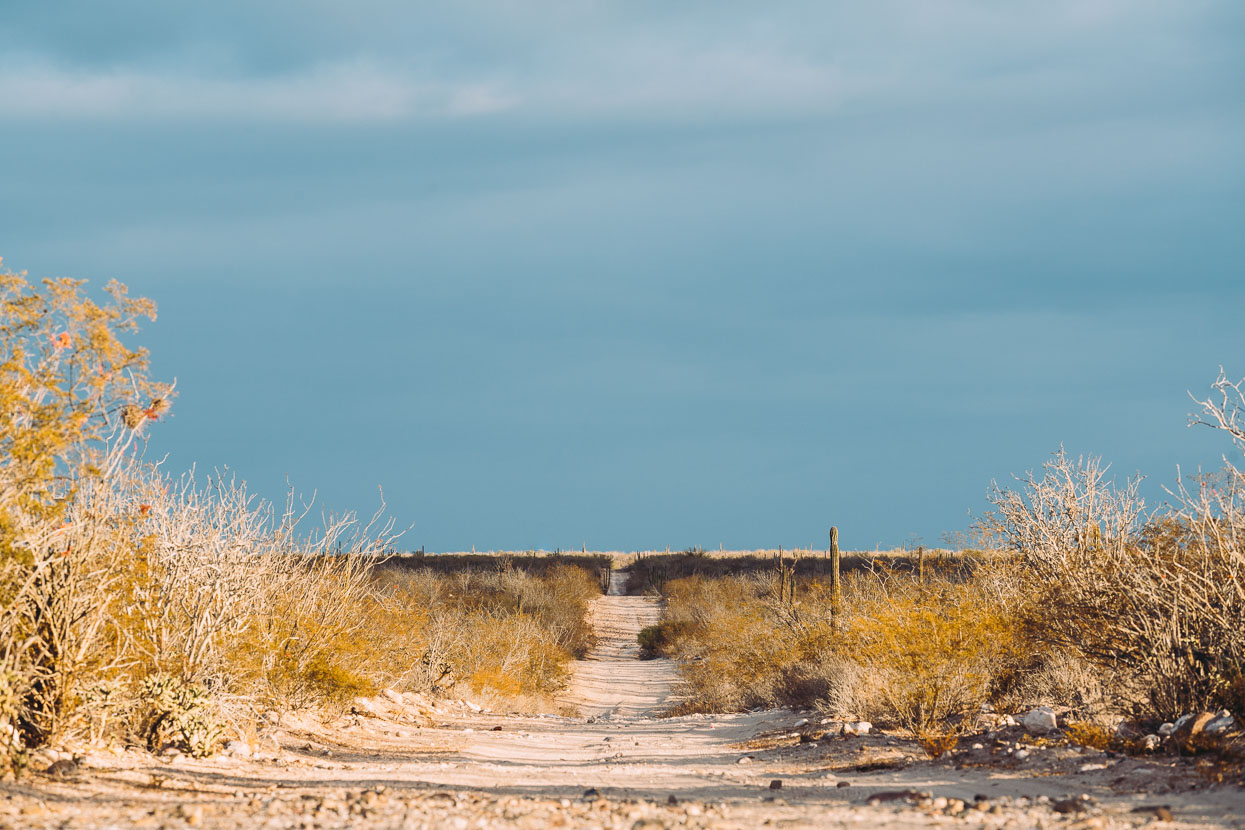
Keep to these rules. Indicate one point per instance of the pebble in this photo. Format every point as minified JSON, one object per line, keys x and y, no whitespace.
{"x":192,"y":814}
{"x":1039,"y":720}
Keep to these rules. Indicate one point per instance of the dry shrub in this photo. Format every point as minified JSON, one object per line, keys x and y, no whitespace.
{"x":1092,"y":735}
{"x":180,"y":610}
{"x":1090,"y":691}
{"x":938,"y":744}
{"x":500,"y":631}
{"x":224,"y":591}
{"x":65,"y":378}
{"x":936,"y":648}
{"x":741,"y":649}
{"x":660,"y":640}
{"x":1158,"y":597}
{"x":918,"y":654}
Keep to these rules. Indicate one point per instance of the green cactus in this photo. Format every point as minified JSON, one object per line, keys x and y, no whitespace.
{"x":179,"y":713}
{"x":836,"y":587}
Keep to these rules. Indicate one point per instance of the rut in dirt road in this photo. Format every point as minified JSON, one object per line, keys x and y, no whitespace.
{"x":612,"y":680}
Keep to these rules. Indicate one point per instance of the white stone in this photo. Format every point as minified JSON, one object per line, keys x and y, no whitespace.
{"x":238,"y":749}
{"x":1039,"y":721}
{"x":47,"y":755}
{"x":1152,"y":742}
{"x":366,"y":706}
{"x":1166,"y":729}
{"x":801,"y":722}
{"x":1224,"y":723}
{"x":1021,"y":754}
{"x":861,"y":727}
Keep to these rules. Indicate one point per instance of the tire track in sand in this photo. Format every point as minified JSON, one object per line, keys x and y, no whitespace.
{"x":612,"y":681}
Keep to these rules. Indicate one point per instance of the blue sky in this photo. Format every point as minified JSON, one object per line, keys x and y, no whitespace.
{"x":644,"y":274}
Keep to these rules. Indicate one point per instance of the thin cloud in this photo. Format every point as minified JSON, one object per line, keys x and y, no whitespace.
{"x":344,"y":92}
{"x":642,"y":81}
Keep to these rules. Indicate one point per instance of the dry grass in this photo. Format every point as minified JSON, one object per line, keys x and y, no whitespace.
{"x":182,"y":610}
{"x":498,"y":631}
{"x":918,"y":654}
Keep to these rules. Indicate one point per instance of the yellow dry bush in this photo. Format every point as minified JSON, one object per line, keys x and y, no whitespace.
{"x":333,"y":684}
{"x":937,"y":745}
{"x":65,"y":377}
{"x":1092,"y":735}
{"x":493,"y":679}
{"x":935,"y":650}
{"x":921,"y":654}
{"x":747,"y":651}
{"x":494,"y":629}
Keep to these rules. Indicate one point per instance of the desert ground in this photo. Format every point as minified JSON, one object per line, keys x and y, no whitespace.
{"x":405,"y":761}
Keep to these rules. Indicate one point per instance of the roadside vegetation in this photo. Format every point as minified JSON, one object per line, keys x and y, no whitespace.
{"x":159,"y":610}
{"x":1081,"y":598}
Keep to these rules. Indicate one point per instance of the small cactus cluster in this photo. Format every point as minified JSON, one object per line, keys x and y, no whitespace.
{"x":179,"y":714}
{"x":12,"y":748}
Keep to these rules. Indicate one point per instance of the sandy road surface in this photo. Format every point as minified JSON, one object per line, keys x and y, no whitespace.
{"x":397,"y":763}
{"x":613,"y":681}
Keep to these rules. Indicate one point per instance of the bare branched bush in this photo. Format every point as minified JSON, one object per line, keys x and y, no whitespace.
{"x":225,"y":592}
{"x":1158,"y":596}
{"x":67,"y":382}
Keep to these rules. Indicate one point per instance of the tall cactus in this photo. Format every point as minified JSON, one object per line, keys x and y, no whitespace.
{"x":782,"y":577}
{"x":836,"y":587}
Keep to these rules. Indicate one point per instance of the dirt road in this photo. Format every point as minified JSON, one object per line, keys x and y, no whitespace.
{"x":613,"y":681}
{"x":401,"y":761}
